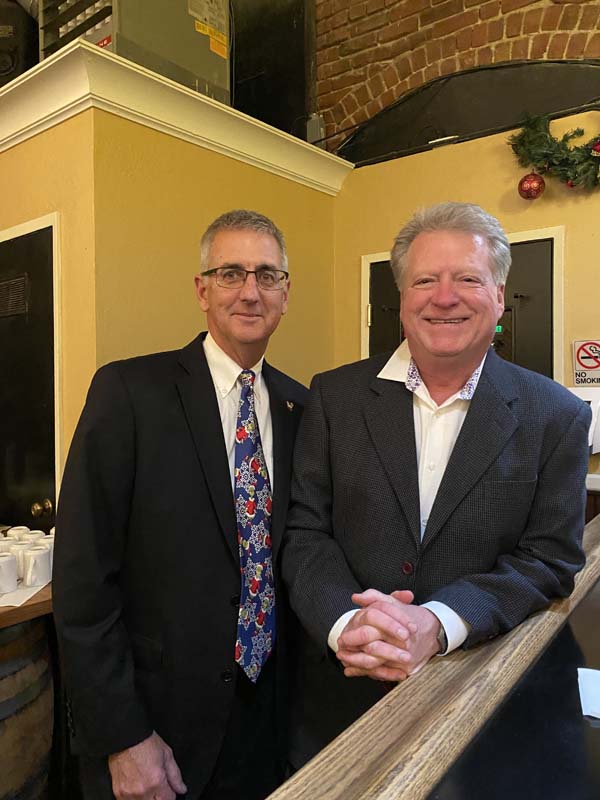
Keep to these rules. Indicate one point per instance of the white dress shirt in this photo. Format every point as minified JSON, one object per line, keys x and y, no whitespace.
{"x":228,"y":388}
{"x":436,"y":432}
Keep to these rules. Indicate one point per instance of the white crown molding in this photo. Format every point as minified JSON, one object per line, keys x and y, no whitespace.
{"x":82,"y":76}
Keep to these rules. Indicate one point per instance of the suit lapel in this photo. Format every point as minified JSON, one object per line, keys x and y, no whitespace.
{"x":488,"y":426}
{"x":390,"y":423}
{"x":283,"y":419}
{"x":197,"y":393}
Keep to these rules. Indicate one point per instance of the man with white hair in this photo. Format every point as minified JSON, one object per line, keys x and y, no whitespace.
{"x":438,"y":493}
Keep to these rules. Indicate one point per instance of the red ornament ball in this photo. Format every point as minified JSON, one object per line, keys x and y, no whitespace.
{"x":531,"y":186}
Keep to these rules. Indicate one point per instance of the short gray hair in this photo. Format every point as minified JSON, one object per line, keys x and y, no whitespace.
{"x":460,"y":217}
{"x":237,"y":220}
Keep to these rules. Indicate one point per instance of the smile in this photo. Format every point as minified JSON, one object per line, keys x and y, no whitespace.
{"x":447,"y":321}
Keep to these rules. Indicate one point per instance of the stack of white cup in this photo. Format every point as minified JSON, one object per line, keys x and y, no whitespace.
{"x":28,"y":554}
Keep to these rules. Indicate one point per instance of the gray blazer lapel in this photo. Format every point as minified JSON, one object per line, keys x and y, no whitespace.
{"x":489,"y":424}
{"x":390,"y":422}
{"x":201,"y":409}
{"x":283,"y":419}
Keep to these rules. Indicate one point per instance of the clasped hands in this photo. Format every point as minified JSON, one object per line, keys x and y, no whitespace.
{"x":388,"y":639}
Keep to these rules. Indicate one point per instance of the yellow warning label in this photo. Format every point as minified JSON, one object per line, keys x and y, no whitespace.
{"x":218,"y":47}
{"x":218,"y":35}
{"x":213,"y":33}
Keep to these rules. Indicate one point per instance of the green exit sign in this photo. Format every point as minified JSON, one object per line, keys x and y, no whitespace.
{"x":499,"y":329}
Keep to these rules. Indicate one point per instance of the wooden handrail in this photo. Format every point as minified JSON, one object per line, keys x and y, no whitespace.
{"x":402,"y":746}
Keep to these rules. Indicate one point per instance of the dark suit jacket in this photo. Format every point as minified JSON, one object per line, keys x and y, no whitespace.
{"x":146,"y":576}
{"x":503,"y":537}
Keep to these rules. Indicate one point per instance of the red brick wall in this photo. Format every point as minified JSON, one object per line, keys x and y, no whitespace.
{"x":370,"y":52}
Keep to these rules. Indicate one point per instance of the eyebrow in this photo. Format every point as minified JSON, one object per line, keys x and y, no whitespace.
{"x":257,"y":269}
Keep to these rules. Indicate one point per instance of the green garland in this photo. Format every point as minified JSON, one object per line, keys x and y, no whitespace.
{"x":536,"y":147}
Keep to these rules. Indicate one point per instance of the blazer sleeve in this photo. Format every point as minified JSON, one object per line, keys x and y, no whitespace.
{"x":549,"y":553}
{"x":91,"y":530}
{"x":319,"y":579}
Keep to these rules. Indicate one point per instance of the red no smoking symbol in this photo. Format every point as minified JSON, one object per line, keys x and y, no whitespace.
{"x":588,"y":355}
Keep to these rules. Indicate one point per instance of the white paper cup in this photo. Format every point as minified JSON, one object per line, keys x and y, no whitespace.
{"x":18,"y":549}
{"x":6,"y":544}
{"x":32,"y":536}
{"x":8,"y":573}
{"x":48,"y":541}
{"x":16,"y":531}
{"x":36,"y":566}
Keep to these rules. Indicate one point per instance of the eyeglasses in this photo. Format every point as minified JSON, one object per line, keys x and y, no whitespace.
{"x":271,"y":280}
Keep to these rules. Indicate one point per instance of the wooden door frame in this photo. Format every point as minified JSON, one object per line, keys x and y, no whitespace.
{"x":557,"y":234}
{"x":50,"y":221}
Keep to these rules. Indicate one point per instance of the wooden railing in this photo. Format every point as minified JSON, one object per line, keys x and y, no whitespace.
{"x":403,"y":746}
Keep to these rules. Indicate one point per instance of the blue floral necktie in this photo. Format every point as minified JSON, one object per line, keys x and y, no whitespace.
{"x":253,"y":501}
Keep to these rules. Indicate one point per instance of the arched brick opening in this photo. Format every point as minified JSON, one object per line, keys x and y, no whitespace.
{"x":371,"y":52}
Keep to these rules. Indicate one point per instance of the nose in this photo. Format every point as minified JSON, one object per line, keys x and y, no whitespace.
{"x":445,"y":294}
{"x":249,"y":291}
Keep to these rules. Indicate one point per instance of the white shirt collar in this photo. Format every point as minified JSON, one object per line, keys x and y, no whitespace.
{"x":224,"y":370}
{"x":401,"y":367}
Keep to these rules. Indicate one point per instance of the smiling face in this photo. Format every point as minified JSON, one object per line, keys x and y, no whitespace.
{"x":449,"y":302}
{"x":242,"y":320}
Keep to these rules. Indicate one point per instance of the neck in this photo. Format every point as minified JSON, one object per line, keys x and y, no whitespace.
{"x":246,"y":355}
{"x":443,"y":377}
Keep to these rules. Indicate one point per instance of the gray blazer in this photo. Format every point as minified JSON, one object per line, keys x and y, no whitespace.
{"x":502,"y":540}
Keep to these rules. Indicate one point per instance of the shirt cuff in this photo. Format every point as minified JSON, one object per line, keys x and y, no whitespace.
{"x":338,"y":627}
{"x":454,"y":625}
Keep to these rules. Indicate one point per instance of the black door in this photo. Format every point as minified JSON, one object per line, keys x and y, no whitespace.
{"x":384,"y":300}
{"x":524,"y":333}
{"x":27,"y":370}
{"x":525,"y":329}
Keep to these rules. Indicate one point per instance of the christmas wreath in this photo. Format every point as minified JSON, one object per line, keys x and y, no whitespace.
{"x":535,"y":146}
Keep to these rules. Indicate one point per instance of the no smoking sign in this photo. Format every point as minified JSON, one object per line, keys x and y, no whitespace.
{"x":587,"y":362}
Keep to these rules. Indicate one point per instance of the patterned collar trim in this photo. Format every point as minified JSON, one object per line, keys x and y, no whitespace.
{"x":414,"y":380}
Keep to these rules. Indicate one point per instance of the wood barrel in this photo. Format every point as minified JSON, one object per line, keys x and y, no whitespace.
{"x":26,"y":711}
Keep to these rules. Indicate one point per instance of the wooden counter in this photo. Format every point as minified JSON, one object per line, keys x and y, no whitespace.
{"x":37,"y":606}
{"x":403,"y":746}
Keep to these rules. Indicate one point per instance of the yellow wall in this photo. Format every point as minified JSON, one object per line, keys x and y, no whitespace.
{"x":154,"y":197}
{"x":53,"y":172}
{"x":375,"y":202}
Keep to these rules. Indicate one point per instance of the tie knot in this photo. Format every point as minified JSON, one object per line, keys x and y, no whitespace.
{"x":247,"y":377}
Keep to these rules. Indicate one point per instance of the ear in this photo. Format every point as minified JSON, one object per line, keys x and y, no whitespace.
{"x":201,"y":292}
{"x":500,"y":297}
{"x":284,"y":299}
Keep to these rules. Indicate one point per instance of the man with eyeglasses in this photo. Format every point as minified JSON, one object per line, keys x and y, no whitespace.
{"x":167,"y":599}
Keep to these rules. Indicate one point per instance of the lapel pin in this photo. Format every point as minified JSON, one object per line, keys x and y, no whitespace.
{"x":290,"y":405}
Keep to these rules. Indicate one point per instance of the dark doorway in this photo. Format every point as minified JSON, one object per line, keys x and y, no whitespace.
{"x":524,"y":334}
{"x":27,"y":459}
{"x":385,"y":328}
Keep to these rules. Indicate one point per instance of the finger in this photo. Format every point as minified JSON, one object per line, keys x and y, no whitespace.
{"x":388,"y":652}
{"x":403,"y":613}
{"x":404,"y":596}
{"x":358,"y":659}
{"x":370,"y":596}
{"x":165,"y":792}
{"x":359,"y":638}
{"x":389,"y":619}
{"x":174,"y":774}
{"x":381,"y":673}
